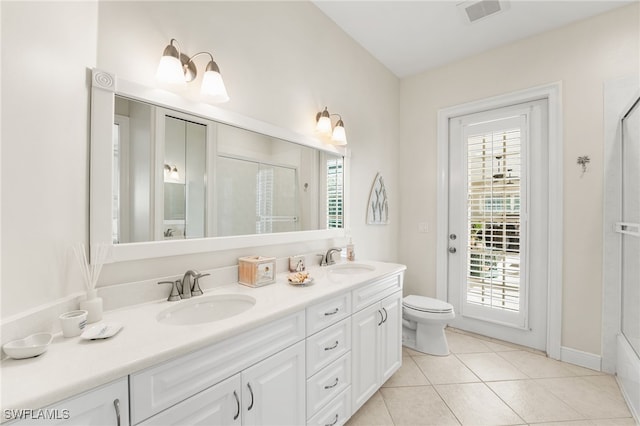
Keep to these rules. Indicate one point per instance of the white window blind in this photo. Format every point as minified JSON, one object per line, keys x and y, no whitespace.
{"x":264,"y":200}
{"x":494,"y":219}
{"x":335,"y":213}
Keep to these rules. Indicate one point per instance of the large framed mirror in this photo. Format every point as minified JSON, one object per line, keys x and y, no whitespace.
{"x":171,"y":176}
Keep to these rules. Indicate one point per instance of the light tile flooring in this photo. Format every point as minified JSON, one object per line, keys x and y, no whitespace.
{"x":488,"y":382}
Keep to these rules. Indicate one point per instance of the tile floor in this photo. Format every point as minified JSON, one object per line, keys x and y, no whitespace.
{"x":487,"y":382}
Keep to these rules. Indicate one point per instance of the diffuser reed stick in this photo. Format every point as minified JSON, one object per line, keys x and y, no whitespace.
{"x":90,"y":272}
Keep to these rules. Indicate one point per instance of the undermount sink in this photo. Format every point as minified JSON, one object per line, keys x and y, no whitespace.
{"x":351,"y":268}
{"x":203,"y":309}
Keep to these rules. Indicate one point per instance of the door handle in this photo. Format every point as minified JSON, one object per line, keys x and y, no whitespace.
{"x":250,"y":390}
{"x":116,"y":405}
{"x":452,"y":250}
{"x":235,"y":394}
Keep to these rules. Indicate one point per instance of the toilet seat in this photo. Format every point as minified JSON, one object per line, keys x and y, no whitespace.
{"x":427,"y":305}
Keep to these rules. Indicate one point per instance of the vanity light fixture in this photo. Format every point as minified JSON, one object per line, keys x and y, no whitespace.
{"x":177,"y":68}
{"x":324,"y":127}
{"x":171,"y":172}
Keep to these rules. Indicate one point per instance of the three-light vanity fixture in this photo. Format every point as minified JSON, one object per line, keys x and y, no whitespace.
{"x":324,"y":127}
{"x":177,"y":68}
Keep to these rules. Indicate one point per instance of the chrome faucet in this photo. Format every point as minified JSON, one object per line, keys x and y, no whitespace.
{"x":191,"y":288}
{"x":327,"y":259}
{"x":185,"y":288}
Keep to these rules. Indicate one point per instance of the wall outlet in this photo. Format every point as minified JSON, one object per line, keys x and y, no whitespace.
{"x":423,"y":227}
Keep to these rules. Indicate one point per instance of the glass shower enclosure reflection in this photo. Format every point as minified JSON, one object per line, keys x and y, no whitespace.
{"x":630,"y":227}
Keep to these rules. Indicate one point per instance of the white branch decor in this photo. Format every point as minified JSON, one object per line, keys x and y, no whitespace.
{"x":378,"y":206}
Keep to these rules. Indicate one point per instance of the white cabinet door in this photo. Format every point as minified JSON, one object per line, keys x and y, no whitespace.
{"x":391,"y":339}
{"x":274,"y":390}
{"x":217,"y":406}
{"x":103,"y":406}
{"x":365,"y":354}
{"x":376,"y":349}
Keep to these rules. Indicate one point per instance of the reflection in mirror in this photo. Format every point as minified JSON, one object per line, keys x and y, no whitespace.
{"x":179,"y":176}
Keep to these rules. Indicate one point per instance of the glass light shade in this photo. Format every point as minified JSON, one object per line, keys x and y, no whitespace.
{"x":213,"y":87}
{"x":170,"y":70}
{"x":339,"y":136}
{"x":324,"y":125}
{"x":174,"y":173}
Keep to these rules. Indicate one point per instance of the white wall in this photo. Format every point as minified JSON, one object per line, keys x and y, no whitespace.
{"x":46,"y":49}
{"x":282,"y":62}
{"x":582,"y":56}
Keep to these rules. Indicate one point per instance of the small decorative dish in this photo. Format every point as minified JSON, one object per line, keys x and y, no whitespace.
{"x":300,"y":279}
{"x":101,"y":331}
{"x":29,"y":347}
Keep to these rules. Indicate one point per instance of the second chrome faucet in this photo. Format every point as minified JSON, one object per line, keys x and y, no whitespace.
{"x":185,"y":288}
{"x":327,"y":259}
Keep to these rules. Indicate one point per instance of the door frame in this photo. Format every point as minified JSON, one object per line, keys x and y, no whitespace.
{"x":553,"y":94}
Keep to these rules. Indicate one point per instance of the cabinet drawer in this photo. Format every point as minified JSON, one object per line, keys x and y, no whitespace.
{"x":329,"y":312}
{"x":160,"y":387}
{"x":375,"y":291}
{"x":327,"y":383}
{"x":336,"y":413}
{"x":106,"y":405}
{"x":328,"y":345}
{"x":218,"y":405}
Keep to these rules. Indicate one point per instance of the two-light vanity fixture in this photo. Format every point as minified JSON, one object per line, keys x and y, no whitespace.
{"x":324,"y":127}
{"x":171,"y":172}
{"x":177,"y":68}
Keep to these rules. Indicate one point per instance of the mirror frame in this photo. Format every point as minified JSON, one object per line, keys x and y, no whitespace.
{"x":104,"y":87}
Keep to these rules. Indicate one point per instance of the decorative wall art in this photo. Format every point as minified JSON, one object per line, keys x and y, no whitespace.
{"x":378,"y":207}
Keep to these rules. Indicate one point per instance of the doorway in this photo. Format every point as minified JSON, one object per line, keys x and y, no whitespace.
{"x":498,"y":223}
{"x":499,"y":218}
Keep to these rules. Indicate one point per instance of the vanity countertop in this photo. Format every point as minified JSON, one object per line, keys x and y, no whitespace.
{"x":73,"y":365}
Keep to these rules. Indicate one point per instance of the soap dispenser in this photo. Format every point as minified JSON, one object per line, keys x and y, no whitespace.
{"x":351,"y":254}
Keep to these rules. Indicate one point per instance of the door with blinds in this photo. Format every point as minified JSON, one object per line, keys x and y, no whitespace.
{"x":498,"y":180}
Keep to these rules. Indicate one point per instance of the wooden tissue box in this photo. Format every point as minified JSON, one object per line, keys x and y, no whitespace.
{"x":256,"y":271}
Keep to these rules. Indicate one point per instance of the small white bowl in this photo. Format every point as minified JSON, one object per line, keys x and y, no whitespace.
{"x":30,"y":346}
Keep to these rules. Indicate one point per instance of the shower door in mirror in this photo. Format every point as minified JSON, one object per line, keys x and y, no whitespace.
{"x":497,"y":225}
{"x":630,"y":227}
{"x":184,"y":179}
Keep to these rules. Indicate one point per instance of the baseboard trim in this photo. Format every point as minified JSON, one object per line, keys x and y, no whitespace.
{"x":583,"y":359}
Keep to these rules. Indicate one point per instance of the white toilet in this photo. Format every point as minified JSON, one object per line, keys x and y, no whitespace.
{"x":423,"y":322}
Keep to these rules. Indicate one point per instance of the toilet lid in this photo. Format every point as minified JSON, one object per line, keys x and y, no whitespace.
{"x":427,"y":304}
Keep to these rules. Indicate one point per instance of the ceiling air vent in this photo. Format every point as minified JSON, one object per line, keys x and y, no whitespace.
{"x":474,"y":10}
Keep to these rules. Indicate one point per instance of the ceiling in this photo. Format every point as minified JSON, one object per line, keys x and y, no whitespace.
{"x":409,"y":37}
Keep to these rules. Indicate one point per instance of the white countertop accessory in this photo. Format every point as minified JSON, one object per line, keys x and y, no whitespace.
{"x":101,"y":331}
{"x":30,"y":346}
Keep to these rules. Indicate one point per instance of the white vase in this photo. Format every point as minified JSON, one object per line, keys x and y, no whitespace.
{"x":93,"y":305}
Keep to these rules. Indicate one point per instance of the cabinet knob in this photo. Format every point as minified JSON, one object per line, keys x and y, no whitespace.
{"x":250,"y":390}
{"x":334,"y":421}
{"x":333,"y":385}
{"x":116,"y":405}
{"x":332,"y":347}
{"x":335,"y":311}
{"x":235,"y":394}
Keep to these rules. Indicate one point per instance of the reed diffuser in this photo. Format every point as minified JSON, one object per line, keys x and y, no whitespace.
{"x":90,"y":273}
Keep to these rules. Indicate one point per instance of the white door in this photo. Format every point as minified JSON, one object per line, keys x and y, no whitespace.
{"x":273,"y":391}
{"x":498,"y":223}
{"x":365,"y":354}
{"x":391,"y":340}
